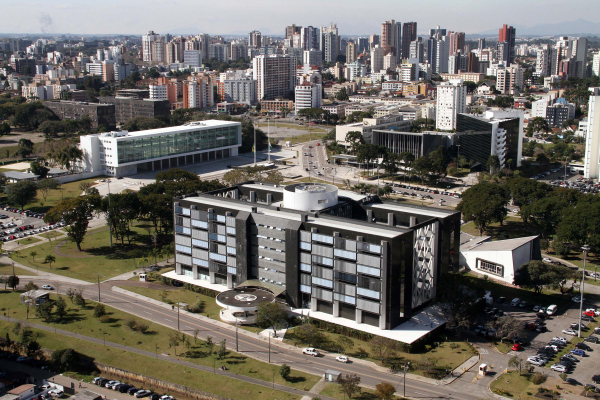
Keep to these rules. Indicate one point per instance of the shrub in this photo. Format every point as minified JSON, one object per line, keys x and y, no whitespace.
{"x":541,"y":390}
{"x":142,"y":328}
{"x":131,"y":324}
{"x":105,"y":319}
{"x":198,"y":307}
{"x":538,"y":378}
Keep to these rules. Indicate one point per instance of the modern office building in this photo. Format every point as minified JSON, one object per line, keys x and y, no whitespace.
{"x":409,"y":34}
{"x":348,"y":258}
{"x":193,"y":58}
{"x":254,"y":39}
{"x":451,"y":101}
{"x":419,"y":144}
{"x":391,"y":38}
{"x":308,"y":95}
{"x":240,"y":91}
{"x":312,"y":57}
{"x":559,"y":112}
{"x":368,"y":125}
{"x":591,"y":157}
{"x":124,"y":153}
{"x":127,"y":107}
{"x":506,"y":38}
{"x":99,"y":114}
{"x":274,"y":75}
{"x":493,"y":133}
{"x":147,"y":45}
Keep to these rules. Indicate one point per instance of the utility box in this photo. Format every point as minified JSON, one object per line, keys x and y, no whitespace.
{"x":483,"y":369}
{"x":143,"y":277}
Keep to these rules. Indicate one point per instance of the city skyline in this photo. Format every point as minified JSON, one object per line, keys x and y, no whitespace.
{"x":137,"y":17}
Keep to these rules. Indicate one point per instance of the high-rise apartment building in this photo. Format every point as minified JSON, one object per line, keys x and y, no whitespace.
{"x":459,"y":42}
{"x":198,"y":93}
{"x":389,"y":62}
{"x":542,"y":61}
{"x":351,"y":52}
{"x":241,"y":91}
{"x":373,"y":41}
{"x":509,"y":80}
{"x":292,"y":30}
{"x":377,"y":59}
{"x":330,"y":42}
{"x":147,"y":48}
{"x":309,"y":38}
{"x":416,"y":50}
{"x":254,"y":39}
{"x":307,"y":95}
{"x":578,"y":48}
{"x":363,"y":45}
{"x":219,"y":52}
{"x":274,"y":75}
{"x":451,"y":101}
{"x":409,"y":34}
{"x":472,"y":62}
{"x":481,"y":44}
{"x":591,"y":158}
{"x":507,"y":34}
{"x":391,"y":37}
{"x":438,"y":50}
{"x":313,"y":57}
{"x":596,"y":64}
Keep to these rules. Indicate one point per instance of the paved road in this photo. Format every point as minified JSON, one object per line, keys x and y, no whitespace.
{"x":258,"y":348}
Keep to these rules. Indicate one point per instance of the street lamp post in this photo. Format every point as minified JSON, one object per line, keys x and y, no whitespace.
{"x":236,"y":335}
{"x":156,"y":350}
{"x":109,"y":219}
{"x":406,"y":367}
{"x":585,"y":249}
{"x":269,"y":347}
{"x":98,"y":288}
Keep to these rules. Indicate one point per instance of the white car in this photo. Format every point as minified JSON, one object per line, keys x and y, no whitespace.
{"x":343,"y":359}
{"x":577,"y":299}
{"x":311,"y":351}
{"x":559,"y":368}
{"x":142,"y":393}
{"x":551,"y":310}
{"x":56,"y":393}
{"x":546,"y":259}
{"x":166,"y":397}
{"x":110,"y":383}
{"x":47,"y":287}
{"x":569,"y":332}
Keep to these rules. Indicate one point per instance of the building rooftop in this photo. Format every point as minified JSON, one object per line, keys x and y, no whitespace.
{"x":17,"y":175}
{"x":500,"y":245}
{"x":21,"y":389}
{"x":413,"y":209}
{"x":171,"y":129}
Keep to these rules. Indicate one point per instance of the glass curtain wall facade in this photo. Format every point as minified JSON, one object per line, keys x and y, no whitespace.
{"x":146,"y":148}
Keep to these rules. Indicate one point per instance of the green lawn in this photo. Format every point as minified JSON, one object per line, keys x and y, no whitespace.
{"x":305,"y":137}
{"x":82,"y":321}
{"x":66,"y":191}
{"x":95,"y":258}
{"x":58,"y":233}
{"x":448,"y":358}
{"x":201,"y":380}
{"x":517,"y":386}
{"x":28,"y":240}
{"x":13,"y":149}
{"x":513,"y":227}
{"x":7,"y":269}
{"x":333,"y":390}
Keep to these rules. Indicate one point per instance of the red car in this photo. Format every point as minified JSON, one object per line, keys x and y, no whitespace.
{"x":517,"y":347}
{"x":589,"y":313}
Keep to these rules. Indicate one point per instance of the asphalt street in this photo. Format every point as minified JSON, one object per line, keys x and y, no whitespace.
{"x":258,"y":348}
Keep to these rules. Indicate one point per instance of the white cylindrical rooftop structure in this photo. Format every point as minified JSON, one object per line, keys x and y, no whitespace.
{"x":310,"y":196}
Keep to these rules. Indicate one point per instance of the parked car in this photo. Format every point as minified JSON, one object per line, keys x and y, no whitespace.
{"x":592,"y":339}
{"x":559,"y":368}
{"x":56,"y":393}
{"x":517,"y":347}
{"x":583,"y":346}
{"x":124,"y":388}
{"x":578,"y":352}
{"x":311,"y":351}
{"x":551,"y":310}
{"x":142,"y":393}
{"x":515,"y":302}
{"x":131,"y":391}
{"x":569,"y":332}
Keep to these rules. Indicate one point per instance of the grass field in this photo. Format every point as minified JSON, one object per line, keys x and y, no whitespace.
{"x":57,"y":233}
{"x":66,"y":191}
{"x":333,"y":390}
{"x":206,"y":381}
{"x":28,"y":240}
{"x":314,"y":135}
{"x":115,"y":330}
{"x":515,"y":385}
{"x":95,"y":258}
{"x":13,"y":149}
{"x":6,"y":269}
{"x":449,"y":358}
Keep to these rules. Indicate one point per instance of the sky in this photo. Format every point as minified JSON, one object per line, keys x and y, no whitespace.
{"x":222,"y":17}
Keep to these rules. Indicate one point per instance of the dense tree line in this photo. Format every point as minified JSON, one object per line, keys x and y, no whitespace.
{"x":153,"y":202}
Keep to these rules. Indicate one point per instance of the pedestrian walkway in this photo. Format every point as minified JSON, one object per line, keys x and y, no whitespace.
{"x":315,"y":390}
{"x":163,"y":357}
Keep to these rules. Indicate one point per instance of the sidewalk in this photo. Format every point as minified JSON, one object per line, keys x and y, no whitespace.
{"x":163,"y":357}
{"x":45,"y":275}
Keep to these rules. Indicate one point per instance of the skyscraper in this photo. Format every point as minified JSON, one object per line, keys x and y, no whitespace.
{"x":254,"y":39}
{"x":292,"y":30}
{"x":309,"y":38}
{"x":416,"y":50}
{"x":274,"y":75}
{"x":591,"y":169}
{"x":481,"y":44}
{"x":507,"y":34}
{"x":330,"y":42}
{"x":459,"y":42}
{"x":147,"y":42}
{"x":451,"y":100}
{"x":377,"y":59}
{"x":409,"y":34}
{"x":391,"y":36}
{"x":351,"y":52}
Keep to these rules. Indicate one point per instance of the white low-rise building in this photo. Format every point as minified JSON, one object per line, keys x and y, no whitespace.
{"x":498,"y":259}
{"x":308,"y":96}
{"x":127,"y":153}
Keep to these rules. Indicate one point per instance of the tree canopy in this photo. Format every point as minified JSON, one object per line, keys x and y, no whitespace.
{"x":484,"y":203}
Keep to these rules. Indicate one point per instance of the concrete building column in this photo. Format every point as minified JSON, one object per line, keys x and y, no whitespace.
{"x":229,"y":281}
{"x":177,"y":161}
{"x":195,"y":273}
{"x":212,"y":277}
{"x":413,"y":221}
{"x":313,"y":304}
{"x":152,"y":165}
{"x":336,"y":308}
{"x":178,"y":268}
{"x":358,"y":316}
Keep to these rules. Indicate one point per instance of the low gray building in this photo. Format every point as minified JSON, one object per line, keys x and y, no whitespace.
{"x":99,"y":114}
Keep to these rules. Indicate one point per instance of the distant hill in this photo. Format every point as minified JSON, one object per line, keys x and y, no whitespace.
{"x":578,"y":27}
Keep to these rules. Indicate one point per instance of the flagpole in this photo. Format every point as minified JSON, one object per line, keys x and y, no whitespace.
{"x":254,"y":148}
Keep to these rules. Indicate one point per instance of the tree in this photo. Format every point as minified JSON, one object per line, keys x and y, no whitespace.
{"x":537,"y":124}
{"x":168,"y":250}
{"x":30,"y":286}
{"x":44,"y":311}
{"x":382,"y":348}
{"x":33,"y":254}
{"x":309,"y":333}
{"x":45,"y":185}
{"x":271,"y":315}
{"x":349,"y":385}
{"x":222,"y":352}
{"x":457,"y":299}
{"x":284,"y":372}
{"x":422,"y":167}
{"x":49,"y":260}
{"x":174,"y":341}
{"x":39,"y":169}
{"x":484,"y":203}
{"x":354,"y":138}
{"x":342,"y":95}
{"x":507,"y":327}
{"x":538,"y":275}
{"x":343,"y":343}
{"x":65,"y":359}
{"x":21,"y":193}
{"x":25,"y":147}
{"x":518,"y":363}
{"x":78,"y":300}
{"x":4,"y":129}
{"x":428,"y":363}
{"x":99,"y":311}
{"x":61,"y":308}
{"x":75,"y":213}
{"x":209,"y":344}
{"x":493,"y":164}
{"x":385,"y":391}
{"x":13,"y":282}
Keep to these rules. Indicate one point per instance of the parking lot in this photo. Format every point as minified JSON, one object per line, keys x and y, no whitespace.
{"x":583,"y":367}
{"x":17,"y":224}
